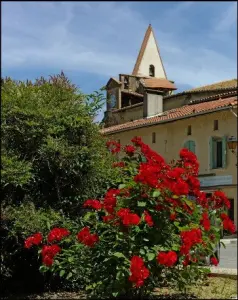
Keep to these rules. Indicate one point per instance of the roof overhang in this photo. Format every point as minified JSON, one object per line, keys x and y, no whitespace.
{"x":117,"y":82}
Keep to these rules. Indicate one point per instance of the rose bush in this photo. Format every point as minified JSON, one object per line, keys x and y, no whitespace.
{"x":146,"y":232}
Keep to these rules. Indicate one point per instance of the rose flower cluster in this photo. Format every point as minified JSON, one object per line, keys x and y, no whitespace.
{"x":156,"y":191}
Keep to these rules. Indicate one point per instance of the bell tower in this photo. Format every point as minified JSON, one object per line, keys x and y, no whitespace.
{"x":149,"y":61}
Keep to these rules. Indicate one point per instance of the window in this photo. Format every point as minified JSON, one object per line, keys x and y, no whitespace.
{"x":126,"y":83}
{"x":189,"y":130}
{"x":112,"y":100}
{"x":153,"y":137}
{"x":152,"y":71}
{"x":190,"y":145}
{"x":215,"y":125}
{"x":217,"y":152}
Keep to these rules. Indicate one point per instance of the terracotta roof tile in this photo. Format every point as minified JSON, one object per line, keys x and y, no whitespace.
{"x":158,"y":83}
{"x":185,"y":111}
{"x":215,"y":86}
{"x":213,"y":97}
{"x":228,"y":85}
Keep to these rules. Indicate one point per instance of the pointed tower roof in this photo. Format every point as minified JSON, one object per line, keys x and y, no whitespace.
{"x":149,"y":38}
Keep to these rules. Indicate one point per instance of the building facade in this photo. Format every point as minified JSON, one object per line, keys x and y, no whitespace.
{"x":202,"y":119}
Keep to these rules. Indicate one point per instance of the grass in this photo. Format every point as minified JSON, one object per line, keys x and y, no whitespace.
{"x":212,"y":288}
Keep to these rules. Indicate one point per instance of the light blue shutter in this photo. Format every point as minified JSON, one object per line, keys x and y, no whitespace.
{"x":224,"y":152}
{"x":186,"y":145}
{"x":192,"y":146}
{"x":211,"y":158}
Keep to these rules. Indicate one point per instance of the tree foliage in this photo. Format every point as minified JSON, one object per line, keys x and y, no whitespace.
{"x":52,"y":151}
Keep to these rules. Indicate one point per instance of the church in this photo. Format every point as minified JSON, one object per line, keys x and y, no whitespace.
{"x":203,"y":119}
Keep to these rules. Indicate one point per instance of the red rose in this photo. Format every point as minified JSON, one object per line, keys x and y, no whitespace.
{"x":47,"y":260}
{"x":110,"y":200}
{"x":130,"y":150}
{"x":148,"y":218}
{"x":57,"y":234}
{"x":88,"y":239}
{"x":127,"y":217}
{"x":180,"y":187}
{"x":219,"y":200}
{"x":113,"y":146}
{"x":172,"y":216}
{"x":190,"y":238}
{"x":48,"y":253}
{"x":137,"y":141}
{"x":35,"y":239}
{"x":96,"y":204}
{"x":138,"y":271}
{"x":167,"y":259}
{"x":205,"y":222}
{"x":214,"y":261}
{"x":107,"y":218}
{"x":229,"y":225}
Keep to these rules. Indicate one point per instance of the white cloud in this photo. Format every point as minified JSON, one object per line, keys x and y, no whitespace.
{"x":228,"y":18}
{"x":104,"y":38}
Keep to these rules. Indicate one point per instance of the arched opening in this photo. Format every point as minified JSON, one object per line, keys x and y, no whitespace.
{"x":152,"y":71}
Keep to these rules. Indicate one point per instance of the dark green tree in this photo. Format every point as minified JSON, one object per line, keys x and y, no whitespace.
{"x":52,"y":151}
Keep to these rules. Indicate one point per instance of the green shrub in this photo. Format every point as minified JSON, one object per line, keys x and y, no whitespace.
{"x":145,"y":233}
{"x":53,"y":153}
{"x":17,"y":223}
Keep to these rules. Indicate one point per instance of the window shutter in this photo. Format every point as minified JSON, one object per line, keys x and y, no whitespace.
{"x":224,"y":152}
{"x":211,"y":158}
{"x":192,"y":146}
{"x":186,"y":145}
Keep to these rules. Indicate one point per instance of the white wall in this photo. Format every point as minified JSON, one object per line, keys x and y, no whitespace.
{"x":151,"y":57}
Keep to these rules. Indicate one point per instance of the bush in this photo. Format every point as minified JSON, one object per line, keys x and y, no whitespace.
{"x":144,"y":234}
{"x":19,"y":267}
{"x":52,"y":151}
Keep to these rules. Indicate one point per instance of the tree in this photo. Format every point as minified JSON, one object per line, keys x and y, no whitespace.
{"x":52,"y":152}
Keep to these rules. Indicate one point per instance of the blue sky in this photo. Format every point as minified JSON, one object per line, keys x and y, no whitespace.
{"x":93,"y":41}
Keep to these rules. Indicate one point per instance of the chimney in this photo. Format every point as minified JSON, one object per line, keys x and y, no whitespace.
{"x":153,"y":103}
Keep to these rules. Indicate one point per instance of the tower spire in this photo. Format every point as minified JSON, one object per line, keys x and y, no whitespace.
{"x":149,"y":55}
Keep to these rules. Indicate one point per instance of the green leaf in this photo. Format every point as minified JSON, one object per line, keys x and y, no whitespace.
{"x":141,"y":203}
{"x":69,"y":275}
{"x":48,"y":225}
{"x":114,"y":294}
{"x":176,"y":224}
{"x":70,"y":259}
{"x":223,"y":244}
{"x":175,"y":247}
{"x":150,"y":256}
{"x":142,"y":251}
{"x":188,"y":202}
{"x":119,"y":255}
{"x":156,"y":194}
{"x":121,"y":186}
{"x":62,"y":272}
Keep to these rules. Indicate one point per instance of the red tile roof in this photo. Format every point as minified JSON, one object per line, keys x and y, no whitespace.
{"x":216,"y":86}
{"x":158,"y":83}
{"x":182,"y":112}
{"x":223,"y":86}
